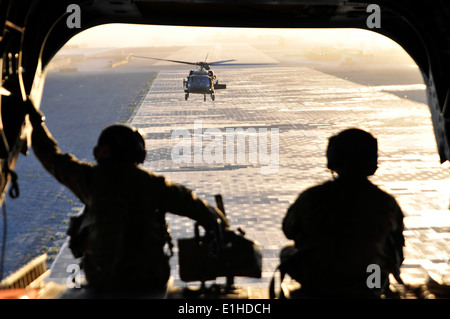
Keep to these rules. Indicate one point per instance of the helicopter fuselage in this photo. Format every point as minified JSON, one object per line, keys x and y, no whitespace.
{"x":201,"y":82}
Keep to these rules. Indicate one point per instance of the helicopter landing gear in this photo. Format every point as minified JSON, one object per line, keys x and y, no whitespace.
{"x":213,"y":97}
{"x":186,"y":96}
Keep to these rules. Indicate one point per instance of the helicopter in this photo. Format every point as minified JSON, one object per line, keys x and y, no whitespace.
{"x":200,"y":81}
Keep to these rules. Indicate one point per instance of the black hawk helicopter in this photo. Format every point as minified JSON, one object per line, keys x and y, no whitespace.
{"x":201,"y":81}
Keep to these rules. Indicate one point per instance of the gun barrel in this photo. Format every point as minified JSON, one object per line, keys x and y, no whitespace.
{"x":219,"y":203}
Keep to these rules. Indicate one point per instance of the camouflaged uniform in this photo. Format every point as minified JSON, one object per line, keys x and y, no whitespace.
{"x":127,"y":234}
{"x":341,"y":229}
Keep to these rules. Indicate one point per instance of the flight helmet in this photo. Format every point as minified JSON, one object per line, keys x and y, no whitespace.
{"x":120,"y":142}
{"x":353,"y":151}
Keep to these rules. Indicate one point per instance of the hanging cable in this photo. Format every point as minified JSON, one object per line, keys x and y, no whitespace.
{"x":14,"y":193}
{"x":14,"y":190}
{"x":4,"y":237}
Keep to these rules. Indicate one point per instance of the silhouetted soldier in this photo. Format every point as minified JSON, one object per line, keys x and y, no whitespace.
{"x":124,"y":207}
{"x":344,"y":225}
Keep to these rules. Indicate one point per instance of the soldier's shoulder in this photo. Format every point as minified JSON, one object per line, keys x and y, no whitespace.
{"x":155,"y":179}
{"x":318,"y":190}
{"x":384,"y":197}
{"x":322,"y":187}
{"x":382,"y":192}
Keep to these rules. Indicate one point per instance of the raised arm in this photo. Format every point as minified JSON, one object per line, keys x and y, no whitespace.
{"x":180,"y":200}
{"x":66,"y":168}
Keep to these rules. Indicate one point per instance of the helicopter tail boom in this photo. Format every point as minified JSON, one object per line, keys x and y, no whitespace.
{"x":220,"y":86}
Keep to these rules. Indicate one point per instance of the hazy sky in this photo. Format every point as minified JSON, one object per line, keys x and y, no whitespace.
{"x":122,"y":35}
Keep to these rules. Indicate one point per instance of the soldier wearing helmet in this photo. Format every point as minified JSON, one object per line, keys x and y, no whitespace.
{"x":123,"y":219}
{"x":344,"y":225}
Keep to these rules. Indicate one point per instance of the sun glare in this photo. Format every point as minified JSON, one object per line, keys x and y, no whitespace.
{"x":125,"y":35}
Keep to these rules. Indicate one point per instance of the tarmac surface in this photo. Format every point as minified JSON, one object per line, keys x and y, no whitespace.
{"x":291,"y":112}
{"x":77,"y":106}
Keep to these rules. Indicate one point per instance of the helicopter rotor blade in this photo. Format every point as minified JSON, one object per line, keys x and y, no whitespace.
{"x":4,"y":91}
{"x":220,"y":62}
{"x":204,"y":64}
{"x":244,"y":64}
{"x":175,"y":61}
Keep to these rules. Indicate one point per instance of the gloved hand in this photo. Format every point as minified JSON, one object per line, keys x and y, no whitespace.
{"x":219,"y":216}
{"x":36,"y":116}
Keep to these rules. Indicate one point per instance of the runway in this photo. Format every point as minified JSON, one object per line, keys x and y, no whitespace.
{"x":290,"y":113}
{"x":306,"y":107}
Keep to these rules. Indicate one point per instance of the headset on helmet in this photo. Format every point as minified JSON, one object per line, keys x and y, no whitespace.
{"x":125,"y":143}
{"x":354,"y":150}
